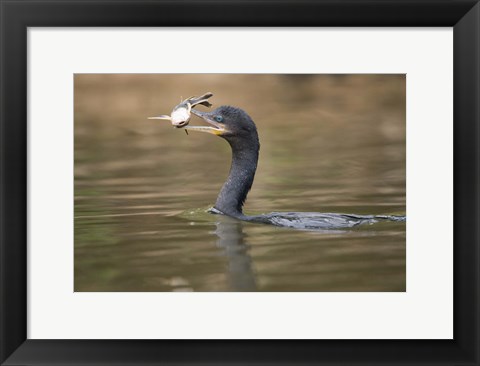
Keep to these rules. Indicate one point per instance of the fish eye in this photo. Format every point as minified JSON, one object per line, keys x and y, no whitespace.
{"x":219,"y":118}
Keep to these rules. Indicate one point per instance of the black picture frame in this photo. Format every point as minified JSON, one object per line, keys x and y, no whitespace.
{"x":17,"y":15}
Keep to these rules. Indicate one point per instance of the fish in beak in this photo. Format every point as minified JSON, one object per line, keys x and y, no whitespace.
{"x":180,"y":116}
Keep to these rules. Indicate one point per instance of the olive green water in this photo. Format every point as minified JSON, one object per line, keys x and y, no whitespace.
{"x":328,"y":144}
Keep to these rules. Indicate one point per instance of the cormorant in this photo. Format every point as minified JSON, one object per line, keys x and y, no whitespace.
{"x":235,"y":125}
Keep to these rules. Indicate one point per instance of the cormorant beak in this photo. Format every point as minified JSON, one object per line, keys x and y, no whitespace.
{"x":216,"y":128}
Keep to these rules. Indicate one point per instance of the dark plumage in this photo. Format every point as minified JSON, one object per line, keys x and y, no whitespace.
{"x":235,"y":125}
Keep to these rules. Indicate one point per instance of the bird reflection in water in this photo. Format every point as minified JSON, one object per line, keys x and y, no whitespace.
{"x":231,"y":240}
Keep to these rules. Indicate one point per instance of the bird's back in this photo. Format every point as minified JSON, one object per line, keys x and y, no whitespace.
{"x":320,"y":221}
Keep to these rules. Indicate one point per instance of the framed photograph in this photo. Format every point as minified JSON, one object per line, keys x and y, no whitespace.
{"x":239,"y":182}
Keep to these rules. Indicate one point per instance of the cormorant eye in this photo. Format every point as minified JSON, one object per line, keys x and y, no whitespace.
{"x":219,"y":118}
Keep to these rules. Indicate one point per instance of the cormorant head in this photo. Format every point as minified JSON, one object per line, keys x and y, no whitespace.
{"x":231,"y":123}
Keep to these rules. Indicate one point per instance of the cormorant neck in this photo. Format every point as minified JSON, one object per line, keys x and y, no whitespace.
{"x":240,"y":179}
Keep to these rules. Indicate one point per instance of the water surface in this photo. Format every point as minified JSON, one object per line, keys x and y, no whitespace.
{"x":142,"y":188}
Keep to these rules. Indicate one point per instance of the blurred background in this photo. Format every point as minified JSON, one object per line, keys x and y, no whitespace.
{"x":329,"y":143}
